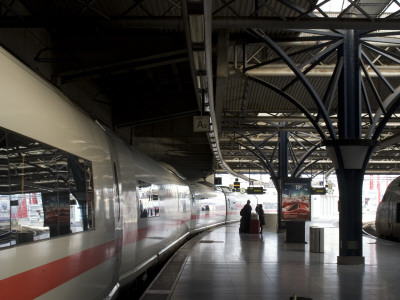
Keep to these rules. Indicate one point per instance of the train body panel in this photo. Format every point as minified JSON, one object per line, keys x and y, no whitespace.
{"x":387,"y":220}
{"x":208,"y":206}
{"x":150,"y":209}
{"x":234,"y":202}
{"x":82,"y":212}
{"x":34,"y":109}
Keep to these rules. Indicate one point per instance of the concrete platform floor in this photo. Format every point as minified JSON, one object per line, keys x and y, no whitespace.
{"x":223,"y":264}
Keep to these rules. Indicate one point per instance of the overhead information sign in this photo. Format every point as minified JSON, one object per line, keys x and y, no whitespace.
{"x":255,"y":190}
{"x":318,"y":191}
{"x":201,"y":123}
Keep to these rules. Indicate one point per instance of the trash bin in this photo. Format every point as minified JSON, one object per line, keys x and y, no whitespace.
{"x":316,"y":239}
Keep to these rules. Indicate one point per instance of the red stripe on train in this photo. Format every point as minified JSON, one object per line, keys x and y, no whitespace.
{"x":44,"y":278}
{"x":235,"y":212}
{"x":40,"y":280}
{"x":207,"y":215}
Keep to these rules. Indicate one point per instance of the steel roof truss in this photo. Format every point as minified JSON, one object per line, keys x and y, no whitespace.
{"x":318,"y":46}
{"x":226,"y":4}
{"x":313,"y":7}
{"x":359,"y":8}
{"x":314,"y":61}
{"x":258,"y":153}
{"x":376,"y":71}
{"x":302,"y":79}
{"x":317,"y":58}
{"x":366,"y":101}
{"x":394,"y":100}
{"x":319,"y":33}
{"x":375,"y":130}
{"x":332,"y":86}
{"x":293,"y":101}
{"x":267,"y":139}
{"x":292,"y":154}
{"x":389,"y":55}
{"x":372,"y":86}
{"x":296,"y":136}
{"x":389,"y":41}
{"x":375,"y":34}
{"x":273,"y":10}
{"x":306,"y":155}
{"x":298,"y":9}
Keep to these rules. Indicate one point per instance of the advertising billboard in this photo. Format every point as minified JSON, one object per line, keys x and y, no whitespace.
{"x":296,"y":199}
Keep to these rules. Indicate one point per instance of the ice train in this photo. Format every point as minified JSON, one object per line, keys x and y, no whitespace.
{"x":82,"y":213}
{"x":387,"y":220}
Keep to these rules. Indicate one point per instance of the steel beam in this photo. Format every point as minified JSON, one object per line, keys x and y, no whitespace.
{"x":237,"y":22}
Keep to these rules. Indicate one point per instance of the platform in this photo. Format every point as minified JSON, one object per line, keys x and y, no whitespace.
{"x":223,"y":264}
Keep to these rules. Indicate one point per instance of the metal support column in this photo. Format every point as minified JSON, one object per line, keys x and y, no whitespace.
{"x":283,"y":173}
{"x":350,"y":215}
{"x":349,"y":110}
{"x":349,"y":153}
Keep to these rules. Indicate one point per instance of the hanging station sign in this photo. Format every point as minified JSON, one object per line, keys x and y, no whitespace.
{"x":201,"y":123}
{"x":318,"y":191}
{"x":296,"y":199}
{"x":255,"y":190}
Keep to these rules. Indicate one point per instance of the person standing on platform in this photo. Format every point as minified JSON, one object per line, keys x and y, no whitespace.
{"x":260,"y":211}
{"x":246,"y":217}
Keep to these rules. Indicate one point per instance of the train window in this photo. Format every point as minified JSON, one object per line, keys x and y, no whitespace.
{"x":149,"y":203}
{"x":5,"y":205}
{"x":184,"y":198}
{"x":44,"y":192}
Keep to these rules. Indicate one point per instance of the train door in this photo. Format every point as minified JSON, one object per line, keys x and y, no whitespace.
{"x":118,"y":223}
{"x":398,"y":213}
{"x":228,"y":207}
{"x":392,"y":216}
{"x":396,"y":221}
{"x":118,"y":232}
{"x":386,"y":212}
{"x":118,"y":238}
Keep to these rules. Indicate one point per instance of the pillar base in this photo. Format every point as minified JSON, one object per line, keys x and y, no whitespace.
{"x":350,"y":260}
{"x":295,"y":232}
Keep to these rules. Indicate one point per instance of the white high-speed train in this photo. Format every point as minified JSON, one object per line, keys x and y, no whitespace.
{"x":81,"y":212}
{"x":387,"y":220}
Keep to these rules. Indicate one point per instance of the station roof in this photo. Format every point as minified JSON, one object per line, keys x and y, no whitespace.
{"x":256,"y":68}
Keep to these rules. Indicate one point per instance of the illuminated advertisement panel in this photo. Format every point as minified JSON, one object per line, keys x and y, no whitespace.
{"x":296,"y":199}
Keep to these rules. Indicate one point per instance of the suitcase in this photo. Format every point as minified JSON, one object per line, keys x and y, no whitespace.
{"x":254,"y":226}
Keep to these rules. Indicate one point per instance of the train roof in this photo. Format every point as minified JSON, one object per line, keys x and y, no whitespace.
{"x":392,"y":193}
{"x":395,"y":183}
